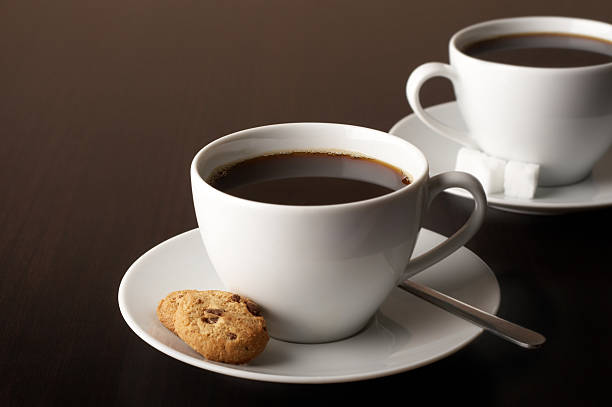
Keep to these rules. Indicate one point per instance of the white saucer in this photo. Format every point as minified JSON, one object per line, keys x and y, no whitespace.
{"x":593,"y":192}
{"x":406,"y":332}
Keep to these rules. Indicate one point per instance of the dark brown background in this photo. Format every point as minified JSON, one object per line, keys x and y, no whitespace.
{"x":104,"y":103}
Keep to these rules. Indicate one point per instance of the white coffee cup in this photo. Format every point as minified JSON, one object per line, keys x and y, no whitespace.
{"x":321,"y":272}
{"x":559,"y":118}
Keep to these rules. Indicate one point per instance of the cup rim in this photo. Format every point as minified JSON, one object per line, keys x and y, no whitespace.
{"x":490,"y":23}
{"x":417,"y":179}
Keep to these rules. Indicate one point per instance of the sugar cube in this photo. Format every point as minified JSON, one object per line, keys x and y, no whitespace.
{"x":521,"y":179}
{"x":488,"y":170}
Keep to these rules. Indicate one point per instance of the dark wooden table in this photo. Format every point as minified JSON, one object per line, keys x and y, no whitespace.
{"x":103,"y":105}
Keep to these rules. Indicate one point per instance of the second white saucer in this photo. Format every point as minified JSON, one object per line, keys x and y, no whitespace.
{"x":592,"y":192}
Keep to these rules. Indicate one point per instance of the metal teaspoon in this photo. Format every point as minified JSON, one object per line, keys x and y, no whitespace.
{"x":507,"y":330}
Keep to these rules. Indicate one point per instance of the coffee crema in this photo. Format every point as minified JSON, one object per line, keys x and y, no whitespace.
{"x":308,"y":178}
{"x":542,"y":50}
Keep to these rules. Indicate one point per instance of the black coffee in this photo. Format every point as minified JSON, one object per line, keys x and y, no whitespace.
{"x":543,"y":50}
{"x":308,"y":178}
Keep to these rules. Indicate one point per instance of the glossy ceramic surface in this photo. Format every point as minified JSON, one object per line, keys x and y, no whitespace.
{"x":595,"y":191}
{"x":405,"y":333}
{"x":559,"y":118}
{"x":321,"y":271}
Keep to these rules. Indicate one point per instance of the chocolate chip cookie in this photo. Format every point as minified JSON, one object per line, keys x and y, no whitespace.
{"x":221,"y":326}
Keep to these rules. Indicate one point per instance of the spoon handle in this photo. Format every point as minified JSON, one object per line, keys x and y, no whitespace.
{"x":514,"y":333}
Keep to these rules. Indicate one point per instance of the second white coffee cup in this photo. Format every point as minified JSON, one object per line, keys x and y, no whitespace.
{"x":559,"y":118}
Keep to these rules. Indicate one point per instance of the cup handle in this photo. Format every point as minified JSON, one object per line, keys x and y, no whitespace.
{"x":413,"y":87}
{"x":436,"y":185}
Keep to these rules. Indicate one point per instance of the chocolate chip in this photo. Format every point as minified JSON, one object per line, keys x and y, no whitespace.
{"x":211,"y":320}
{"x":232,"y":336}
{"x":215,"y":311}
{"x":199,"y":301}
{"x":253,"y":308}
{"x":235,"y":298}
